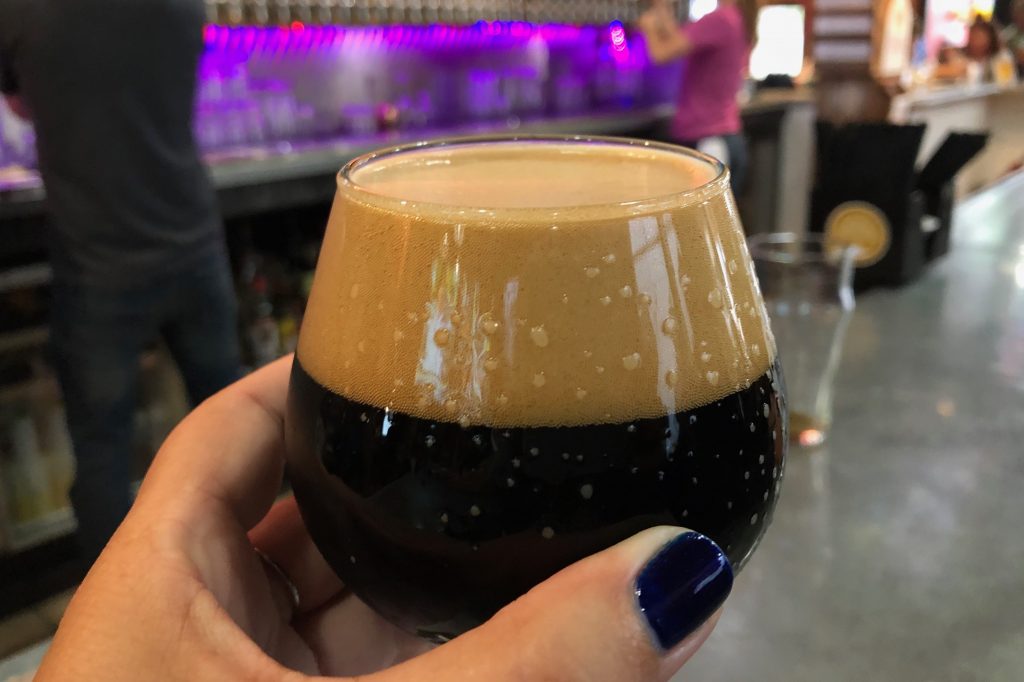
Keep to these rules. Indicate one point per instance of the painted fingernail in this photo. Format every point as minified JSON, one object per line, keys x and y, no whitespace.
{"x":681,"y":586}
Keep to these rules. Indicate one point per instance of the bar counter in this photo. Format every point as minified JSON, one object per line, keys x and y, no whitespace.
{"x":251,"y":180}
{"x":982,"y":107}
{"x":257,"y":167}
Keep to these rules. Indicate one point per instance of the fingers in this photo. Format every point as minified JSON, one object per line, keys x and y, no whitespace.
{"x":348,"y":638}
{"x":635,"y":612}
{"x":662,"y":11}
{"x":345,"y":636}
{"x":228,"y":454}
{"x":283,"y":538}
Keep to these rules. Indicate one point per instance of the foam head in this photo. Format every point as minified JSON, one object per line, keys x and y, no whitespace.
{"x":541,"y":282}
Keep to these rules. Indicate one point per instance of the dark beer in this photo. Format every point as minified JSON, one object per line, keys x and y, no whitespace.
{"x":438,"y":525}
{"x":483,"y":396}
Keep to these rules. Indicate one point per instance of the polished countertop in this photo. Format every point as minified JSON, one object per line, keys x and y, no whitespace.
{"x":897,"y":551}
{"x":942,"y":94}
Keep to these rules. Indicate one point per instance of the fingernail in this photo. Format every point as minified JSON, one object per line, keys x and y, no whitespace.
{"x":681,"y":586}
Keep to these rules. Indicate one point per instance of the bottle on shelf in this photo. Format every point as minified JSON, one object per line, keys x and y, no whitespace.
{"x":288,"y":330}
{"x":58,"y":458}
{"x":28,"y":488}
{"x":262,"y":332}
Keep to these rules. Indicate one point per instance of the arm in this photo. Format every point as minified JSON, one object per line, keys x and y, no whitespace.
{"x":665,"y":40}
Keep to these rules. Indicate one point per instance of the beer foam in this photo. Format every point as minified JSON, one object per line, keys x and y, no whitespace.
{"x":518,"y":175}
{"x":533,"y":284}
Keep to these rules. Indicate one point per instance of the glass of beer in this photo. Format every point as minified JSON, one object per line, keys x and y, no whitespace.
{"x":518,"y":352}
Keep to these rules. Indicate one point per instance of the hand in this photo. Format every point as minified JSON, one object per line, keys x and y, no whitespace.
{"x":663,"y":38}
{"x":659,"y":6}
{"x":648,"y":22}
{"x":659,"y":13}
{"x":181,"y":594}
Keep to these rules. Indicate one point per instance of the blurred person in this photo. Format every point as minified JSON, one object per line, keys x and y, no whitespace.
{"x":975,"y":61}
{"x":136,"y":242}
{"x":717,"y":52}
{"x":1013,"y":36}
{"x":208,"y":579}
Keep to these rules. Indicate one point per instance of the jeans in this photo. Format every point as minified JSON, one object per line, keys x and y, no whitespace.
{"x":97,"y":338}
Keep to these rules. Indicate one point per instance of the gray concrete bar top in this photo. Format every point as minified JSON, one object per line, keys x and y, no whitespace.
{"x":897,"y":552}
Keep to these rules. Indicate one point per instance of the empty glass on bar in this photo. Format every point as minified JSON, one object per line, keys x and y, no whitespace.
{"x":808,"y":291}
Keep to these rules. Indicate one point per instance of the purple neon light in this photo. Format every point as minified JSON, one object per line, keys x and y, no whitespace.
{"x":618,"y":36}
{"x":260,"y":84}
{"x":619,"y":43}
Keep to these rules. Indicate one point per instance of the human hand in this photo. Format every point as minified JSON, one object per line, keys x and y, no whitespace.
{"x":647,"y":22}
{"x":659,"y":5}
{"x":658,"y":23}
{"x":181,"y":594}
{"x":659,"y":11}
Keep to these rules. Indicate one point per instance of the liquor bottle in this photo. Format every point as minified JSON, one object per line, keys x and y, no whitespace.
{"x":28,"y":488}
{"x":59,"y":461}
{"x":262,"y":331}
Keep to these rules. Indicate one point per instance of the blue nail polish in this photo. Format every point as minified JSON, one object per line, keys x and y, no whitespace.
{"x":681,"y":586}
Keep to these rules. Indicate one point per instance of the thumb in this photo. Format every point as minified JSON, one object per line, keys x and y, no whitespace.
{"x":636,"y":611}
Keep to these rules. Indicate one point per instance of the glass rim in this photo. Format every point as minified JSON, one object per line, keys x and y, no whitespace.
{"x":717,"y":184}
{"x":770,"y":247}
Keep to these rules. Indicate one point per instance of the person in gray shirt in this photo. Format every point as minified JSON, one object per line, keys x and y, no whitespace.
{"x":136,"y":241}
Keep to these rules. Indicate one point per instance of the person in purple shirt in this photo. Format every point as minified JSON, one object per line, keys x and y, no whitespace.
{"x":717,"y":49}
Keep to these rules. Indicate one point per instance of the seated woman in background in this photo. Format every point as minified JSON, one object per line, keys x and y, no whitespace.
{"x":1013,"y":36}
{"x":717,"y":48}
{"x":976,"y":60}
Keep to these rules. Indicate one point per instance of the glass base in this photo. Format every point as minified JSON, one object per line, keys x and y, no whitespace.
{"x":807,"y":431}
{"x":434,"y":637}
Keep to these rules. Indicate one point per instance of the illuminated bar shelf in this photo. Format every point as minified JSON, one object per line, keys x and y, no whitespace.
{"x":377,"y":12}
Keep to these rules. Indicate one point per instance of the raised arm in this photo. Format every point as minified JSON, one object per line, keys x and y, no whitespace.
{"x":665,"y":40}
